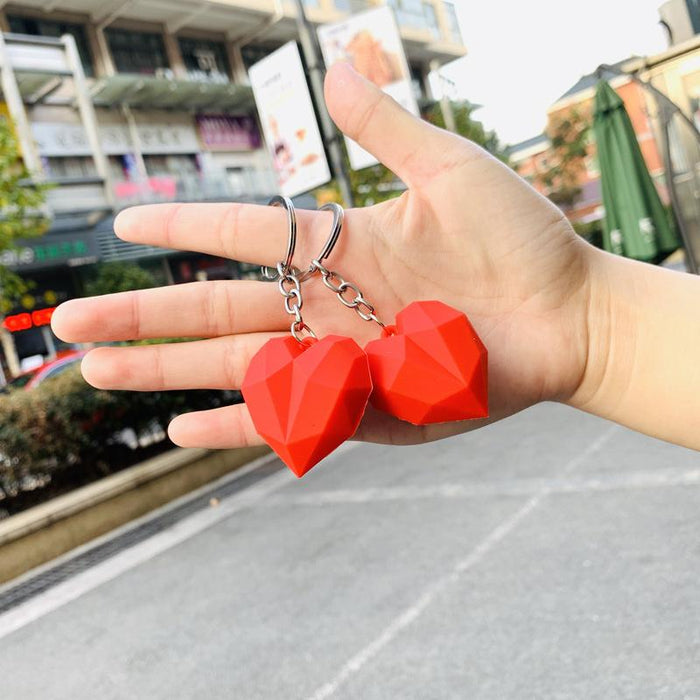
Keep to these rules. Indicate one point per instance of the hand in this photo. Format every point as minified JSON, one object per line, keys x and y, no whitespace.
{"x":468,"y":231}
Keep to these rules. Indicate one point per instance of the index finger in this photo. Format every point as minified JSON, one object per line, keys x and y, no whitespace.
{"x":245,"y":232}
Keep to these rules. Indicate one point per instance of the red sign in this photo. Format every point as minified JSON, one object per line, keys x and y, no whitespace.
{"x":42,"y":317}
{"x":23,"y":322}
{"x":18,"y":322}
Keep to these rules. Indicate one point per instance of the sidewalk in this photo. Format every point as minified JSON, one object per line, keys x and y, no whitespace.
{"x":551,"y":555}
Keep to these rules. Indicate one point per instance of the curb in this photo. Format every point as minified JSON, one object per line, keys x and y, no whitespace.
{"x":44,"y":532}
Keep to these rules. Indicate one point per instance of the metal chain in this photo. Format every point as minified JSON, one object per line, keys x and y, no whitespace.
{"x":362,"y":307}
{"x":290,"y":288}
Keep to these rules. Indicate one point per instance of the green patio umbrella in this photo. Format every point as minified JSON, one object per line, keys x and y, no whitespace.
{"x":636,"y":222}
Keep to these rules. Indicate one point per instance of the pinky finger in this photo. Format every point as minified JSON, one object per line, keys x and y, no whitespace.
{"x":218,"y":428}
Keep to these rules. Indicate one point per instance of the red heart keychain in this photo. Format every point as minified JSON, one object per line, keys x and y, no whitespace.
{"x":431,"y":367}
{"x":307,"y":398}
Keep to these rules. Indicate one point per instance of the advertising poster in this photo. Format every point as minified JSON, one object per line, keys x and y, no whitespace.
{"x":288,"y":121}
{"x":371,"y":42}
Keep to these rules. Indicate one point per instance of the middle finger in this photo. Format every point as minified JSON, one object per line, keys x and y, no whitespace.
{"x":197,"y":309}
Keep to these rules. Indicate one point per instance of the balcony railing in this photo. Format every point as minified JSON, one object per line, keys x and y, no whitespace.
{"x":242,"y":185}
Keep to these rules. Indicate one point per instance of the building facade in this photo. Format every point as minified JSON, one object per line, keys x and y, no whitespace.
{"x":117,"y":102}
{"x":534,"y":157}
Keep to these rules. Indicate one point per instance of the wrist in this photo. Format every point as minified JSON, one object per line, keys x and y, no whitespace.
{"x":611,"y":332}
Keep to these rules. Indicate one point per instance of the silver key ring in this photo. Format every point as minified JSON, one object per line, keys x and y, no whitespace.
{"x":286,"y":265}
{"x":336,"y":228}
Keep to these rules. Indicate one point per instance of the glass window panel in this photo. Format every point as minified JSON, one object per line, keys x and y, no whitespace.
{"x":136,"y":52}
{"x":204,"y":60}
{"x":44,"y":27}
{"x":453,"y":22}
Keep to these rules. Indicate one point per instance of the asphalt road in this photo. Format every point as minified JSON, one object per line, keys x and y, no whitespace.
{"x":551,"y":556}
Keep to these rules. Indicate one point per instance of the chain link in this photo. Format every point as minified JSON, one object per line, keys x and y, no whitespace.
{"x":290,"y":288}
{"x":362,"y":307}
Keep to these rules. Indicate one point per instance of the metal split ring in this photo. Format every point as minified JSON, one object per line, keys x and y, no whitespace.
{"x":285,"y":266}
{"x":336,"y":228}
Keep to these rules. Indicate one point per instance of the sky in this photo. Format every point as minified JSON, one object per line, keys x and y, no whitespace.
{"x":523,"y":54}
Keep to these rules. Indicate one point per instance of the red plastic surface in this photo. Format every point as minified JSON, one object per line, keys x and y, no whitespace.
{"x":307,"y":400}
{"x":434,"y":368}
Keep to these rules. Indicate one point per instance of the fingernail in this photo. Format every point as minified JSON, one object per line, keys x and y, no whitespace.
{"x":125,"y":223}
{"x":345,"y":73}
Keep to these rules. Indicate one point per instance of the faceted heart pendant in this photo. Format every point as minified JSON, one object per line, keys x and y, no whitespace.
{"x":431,"y":367}
{"x":307,"y":399}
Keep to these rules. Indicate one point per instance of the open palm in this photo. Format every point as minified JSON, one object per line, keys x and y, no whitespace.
{"x":468,"y":232}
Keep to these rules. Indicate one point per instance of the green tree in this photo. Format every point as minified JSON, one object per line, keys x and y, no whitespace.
{"x":21,"y":214}
{"x":468,"y":127}
{"x":108,"y":278}
{"x":566,"y":160}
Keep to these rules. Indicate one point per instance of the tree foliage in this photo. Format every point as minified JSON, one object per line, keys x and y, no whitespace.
{"x":377,"y":183}
{"x":566,"y":158}
{"x":21,"y":214}
{"x":108,"y":278}
{"x":468,"y":127}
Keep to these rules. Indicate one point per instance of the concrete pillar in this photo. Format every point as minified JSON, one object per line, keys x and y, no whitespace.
{"x":445,"y":103}
{"x":15,"y":106}
{"x":136,"y":146}
{"x":87,"y":115}
{"x":100,"y":51}
{"x":443,"y":25}
{"x":172,"y":51}
{"x":47,"y":335}
{"x":8,"y":347}
{"x":239,"y":74}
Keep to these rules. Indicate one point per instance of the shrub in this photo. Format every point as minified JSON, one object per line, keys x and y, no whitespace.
{"x":64,"y":433}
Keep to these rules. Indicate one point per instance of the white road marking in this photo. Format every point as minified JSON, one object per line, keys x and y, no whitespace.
{"x":137,"y":522}
{"x":508,"y":487}
{"x":394,"y":628}
{"x":101,"y":573}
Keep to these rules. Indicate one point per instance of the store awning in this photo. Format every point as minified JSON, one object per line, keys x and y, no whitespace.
{"x":162,"y":93}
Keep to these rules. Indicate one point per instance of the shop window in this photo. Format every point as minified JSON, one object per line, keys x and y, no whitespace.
{"x":73,"y":166}
{"x":45,"y":27}
{"x":137,"y":52}
{"x":204,"y":60}
{"x":176,"y":165}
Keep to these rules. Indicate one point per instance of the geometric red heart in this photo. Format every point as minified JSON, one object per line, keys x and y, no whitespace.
{"x":431,"y":367}
{"x":307,"y":399}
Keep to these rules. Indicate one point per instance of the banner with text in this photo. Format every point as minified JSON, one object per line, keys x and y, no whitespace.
{"x":371,"y":42}
{"x":288,"y":121}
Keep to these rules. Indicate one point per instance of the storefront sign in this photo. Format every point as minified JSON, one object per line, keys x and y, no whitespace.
{"x":371,"y":42}
{"x":60,"y":139}
{"x":288,"y":121}
{"x":222,"y":132}
{"x":51,"y":250}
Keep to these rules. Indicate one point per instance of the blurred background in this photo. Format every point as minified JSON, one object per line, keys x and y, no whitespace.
{"x":112,"y":104}
{"x":105,"y":104}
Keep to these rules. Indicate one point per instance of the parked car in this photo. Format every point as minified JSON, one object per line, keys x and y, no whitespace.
{"x":31,"y":379}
